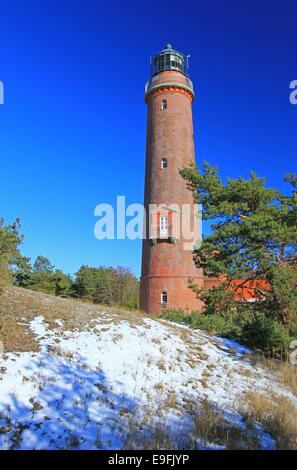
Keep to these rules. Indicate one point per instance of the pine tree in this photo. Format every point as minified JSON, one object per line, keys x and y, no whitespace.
{"x":42,"y":277}
{"x":10,"y":239}
{"x":254,"y":232}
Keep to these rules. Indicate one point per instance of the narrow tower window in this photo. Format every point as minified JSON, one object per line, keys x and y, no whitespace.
{"x":164,"y":226}
{"x":164,"y":163}
{"x":164,"y":104}
{"x":164,"y":298}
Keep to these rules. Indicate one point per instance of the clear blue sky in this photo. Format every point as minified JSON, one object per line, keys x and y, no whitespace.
{"x":73,"y":124}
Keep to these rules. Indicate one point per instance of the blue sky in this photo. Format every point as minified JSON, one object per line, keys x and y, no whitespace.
{"x":73,"y":124}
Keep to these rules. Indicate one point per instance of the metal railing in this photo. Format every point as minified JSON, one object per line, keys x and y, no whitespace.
{"x":151,"y":83}
{"x":189,"y":83}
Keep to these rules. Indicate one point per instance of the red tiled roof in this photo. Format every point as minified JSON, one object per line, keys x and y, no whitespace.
{"x":250,"y":290}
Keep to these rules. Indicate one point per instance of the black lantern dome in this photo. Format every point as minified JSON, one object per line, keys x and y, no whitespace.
{"x":169,"y":59}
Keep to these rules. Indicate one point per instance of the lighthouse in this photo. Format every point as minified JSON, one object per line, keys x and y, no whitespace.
{"x":171,"y":227}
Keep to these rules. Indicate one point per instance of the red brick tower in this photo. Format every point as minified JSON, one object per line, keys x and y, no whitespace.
{"x":167,"y":261}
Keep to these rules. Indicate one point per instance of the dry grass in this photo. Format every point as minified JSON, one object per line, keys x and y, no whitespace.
{"x":204,"y":383}
{"x":171,"y":401}
{"x":149,"y":439}
{"x":155,"y":340}
{"x":98,"y":441}
{"x":205,"y":428}
{"x":205,"y":373}
{"x":161,"y":365}
{"x":16,"y":337}
{"x":288,"y":376}
{"x":159,"y":386}
{"x":73,"y":441}
{"x":18,"y":307}
{"x":275,"y":413}
{"x":58,"y":351}
{"x":36,"y":406}
{"x":285,"y":372}
{"x":117,"y":338}
{"x":211,"y":426}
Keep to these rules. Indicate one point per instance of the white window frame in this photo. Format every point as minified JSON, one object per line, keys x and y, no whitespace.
{"x":163,"y":225}
{"x":164,"y":294}
{"x":164,"y":104}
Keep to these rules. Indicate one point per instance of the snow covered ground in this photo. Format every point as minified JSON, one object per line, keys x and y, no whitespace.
{"x":124,"y":382}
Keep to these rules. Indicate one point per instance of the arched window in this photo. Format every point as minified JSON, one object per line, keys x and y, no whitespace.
{"x":164,"y":297}
{"x":164,"y":104}
{"x":164,"y":163}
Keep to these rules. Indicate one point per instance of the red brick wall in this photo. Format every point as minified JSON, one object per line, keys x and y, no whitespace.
{"x":167,"y":266}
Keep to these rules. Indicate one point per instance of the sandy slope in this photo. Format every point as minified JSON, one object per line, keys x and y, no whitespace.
{"x":113,"y":379}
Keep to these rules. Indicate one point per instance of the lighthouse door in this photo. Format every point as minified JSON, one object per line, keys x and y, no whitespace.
{"x":164,"y":226}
